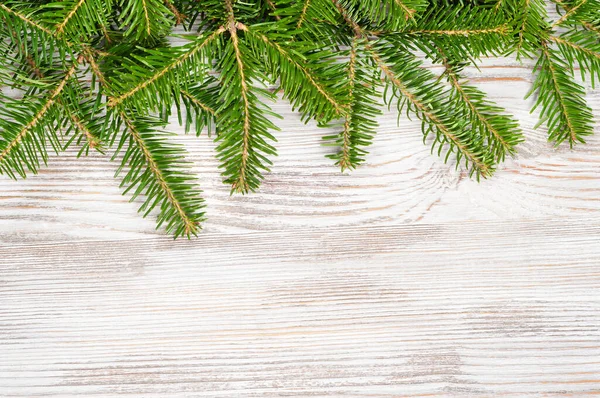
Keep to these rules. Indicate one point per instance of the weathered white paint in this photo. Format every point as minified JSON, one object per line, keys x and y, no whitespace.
{"x":402,"y":278}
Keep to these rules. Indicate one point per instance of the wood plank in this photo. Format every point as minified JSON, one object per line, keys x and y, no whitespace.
{"x":471,"y":308}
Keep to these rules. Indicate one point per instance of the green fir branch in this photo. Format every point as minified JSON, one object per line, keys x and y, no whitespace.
{"x":26,"y":128}
{"x":500,"y":131}
{"x":145,"y":20}
{"x":76,"y":20}
{"x":243,"y":128}
{"x":582,"y":13}
{"x":359,"y":124}
{"x":561,"y":100}
{"x":109,"y":74}
{"x":157,"y":169}
{"x":299,"y":80}
{"x":200,"y":104}
{"x":141,"y":84}
{"x":580,"y":48}
{"x":532,"y":26}
{"x":416,"y":90}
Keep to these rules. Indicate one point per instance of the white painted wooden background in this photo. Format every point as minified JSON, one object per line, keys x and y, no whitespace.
{"x":402,"y":278}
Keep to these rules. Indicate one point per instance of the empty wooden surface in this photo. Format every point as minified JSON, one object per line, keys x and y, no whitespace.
{"x":402,"y":278}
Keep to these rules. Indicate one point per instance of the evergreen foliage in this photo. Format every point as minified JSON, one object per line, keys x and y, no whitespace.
{"x":102,"y":75}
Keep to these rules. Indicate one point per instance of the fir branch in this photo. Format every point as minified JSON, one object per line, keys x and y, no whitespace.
{"x":580,"y":48}
{"x":61,"y":26}
{"x":523,"y":27}
{"x":22,"y":49}
{"x":345,"y":13}
{"x":554,"y":78}
{"x":574,"y":46}
{"x":420,"y":98}
{"x":179,"y":17}
{"x":273,"y":8}
{"x":455,"y":137}
{"x":147,"y":83}
{"x":145,"y":20}
{"x":197,"y":102}
{"x":585,"y":13}
{"x":330,"y":72}
{"x":146,"y":17}
{"x":464,"y":31}
{"x":360,"y":122}
{"x":386,"y":14}
{"x":68,"y":22}
{"x":93,"y":140}
{"x":26,"y":32}
{"x":240,"y":184}
{"x":27,"y":20}
{"x":410,"y":12}
{"x":97,"y":72}
{"x":302,"y":17}
{"x":9,"y":148}
{"x":243,"y":128}
{"x":200,"y":103}
{"x":533,"y":27}
{"x":156,"y":169}
{"x":307,"y":18}
{"x":345,"y":160}
{"x":569,"y":13}
{"x":501,"y":131}
{"x":290,"y":72}
{"x":502,"y":29}
{"x":561,"y":99}
{"x":82,"y":118}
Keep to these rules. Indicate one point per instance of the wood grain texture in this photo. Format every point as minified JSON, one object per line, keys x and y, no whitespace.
{"x":403,"y":278}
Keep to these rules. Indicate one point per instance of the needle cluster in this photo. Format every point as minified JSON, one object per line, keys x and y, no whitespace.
{"x":102,"y":75}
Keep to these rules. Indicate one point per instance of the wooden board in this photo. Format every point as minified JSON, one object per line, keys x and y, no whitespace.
{"x":402,"y":278}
